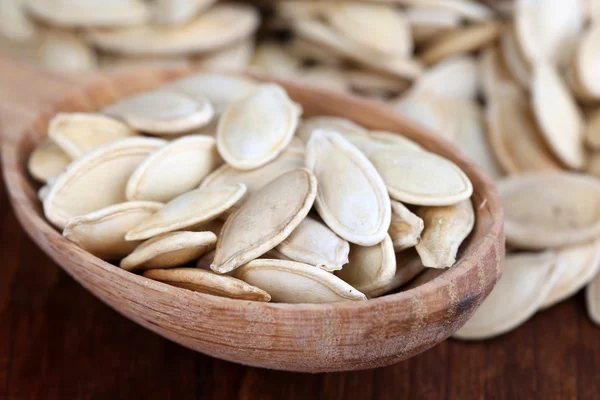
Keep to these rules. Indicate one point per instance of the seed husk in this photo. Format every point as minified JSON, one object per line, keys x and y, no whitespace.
{"x":256,"y":129}
{"x":408,"y":266}
{"x":294,"y":282}
{"x":405,"y":229}
{"x":453,"y":78}
{"x":97,"y":179}
{"x":63,"y":51}
{"x":313,"y":243}
{"x":550,"y":209}
{"x":587,"y":64}
{"x":189,"y":210}
{"x":78,"y":133}
{"x":47,"y":161}
{"x":353,"y":200}
{"x":102,"y":232}
{"x":520,"y":291}
{"x":174,"y":169}
{"x":203,"y":281}
{"x":265,"y":220}
{"x":169,"y":250}
{"x":343,"y":126}
{"x":174,"y":12}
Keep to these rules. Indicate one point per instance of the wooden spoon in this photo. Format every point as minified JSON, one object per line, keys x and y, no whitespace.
{"x":296,"y":337}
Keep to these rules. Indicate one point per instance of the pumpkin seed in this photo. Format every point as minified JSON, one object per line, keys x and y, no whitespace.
{"x":294,"y":282}
{"x":405,"y":229}
{"x":313,"y":243}
{"x":558,"y":116}
{"x":169,"y":250}
{"x":102,"y":232}
{"x":235,"y":57}
{"x":221,"y":26}
{"x":343,"y":126}
{"x":47,"y":161}
{"x":445,"y":229}
{"x":163,"y":112}
{"x":14,"y":22}
{"x":189,"y":210}
{"x":271,"y":58}
{"x":550,"y":209}
{"x":395,"y":139}
{"x":492,"y":71}
{"x":520,"y":291}
{"x":421,"y":178}
{"x":199,"y":280}
{"x":78,"y":133}
{"x":257,"y":128}
{"x":454,"y":78}
{"x":352,"y":198}
{"x":97,"y":179}
{"x":586,"y":62}
{"x":432,"y":111}
{"x":63,"y":51}
{"x":265,"y":220}
{"x":513,"y":57}
{"x":370,"y":268}
{"x":173,"y":12}
{"x":467,"y":9}
{"x":408,"y":266}
{"x":578,"y":265}
{"x":174,"y":169}
{"x":592,"y":130}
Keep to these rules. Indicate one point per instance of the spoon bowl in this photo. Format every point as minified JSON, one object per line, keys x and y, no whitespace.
{"x":295,"y":337}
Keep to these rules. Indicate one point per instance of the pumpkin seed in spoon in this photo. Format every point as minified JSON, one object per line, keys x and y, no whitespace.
{"x":550,"y":209}
{"x":255,"y":179}
{"x":222,"y":25}
{"x":169,"y":250}
{"x":343,"y":126}
{"x":454,"y":78}
{"x":256,"y":129}
{"x":203,"y":281}
{"x":370,"y":268}
{"x":405,"y":229}
{"x":558,"y":116}
{"x":78,"y":133}
{"x":445,"y":229}
{"x":352,"y":199}
{"x":97,"y":179}
{"x":63,"y":51}
{"x":421,"y":178}
{"x":174,"y":169}
{"x":189,"y":210}
{"x":294,"y":282}
{"x":47,"y":161}
{"x":265,"y":220}
{"x":235,"y":57}
{"x":578,"y":265}
{"x":163,"y":112}
{"x":520,"y":291}
{"x":314,"y":243}
{"x":395,"y":139}
{"x":175,"y":12}
{"x":431,"y":110}
{"x":592,"y":297}
{"x":408,"y":266}
{"x":102,"y":232}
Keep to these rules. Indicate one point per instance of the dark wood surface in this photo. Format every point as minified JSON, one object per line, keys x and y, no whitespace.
{"x":59,"y":342}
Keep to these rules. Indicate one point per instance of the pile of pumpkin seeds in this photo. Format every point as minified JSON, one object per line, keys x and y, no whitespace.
{"x":232,"y":193}
{"x":514,"y":83}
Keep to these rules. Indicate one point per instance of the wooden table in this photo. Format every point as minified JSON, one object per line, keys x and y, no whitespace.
{"x":59,"y":342}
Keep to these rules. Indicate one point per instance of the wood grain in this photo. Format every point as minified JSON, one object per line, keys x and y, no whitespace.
{"x":313,"y":338}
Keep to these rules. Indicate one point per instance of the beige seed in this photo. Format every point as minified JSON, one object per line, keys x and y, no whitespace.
{"x":405,"y":229}
{"x":408,"y":266}
{"x":63,"y":51}
{"x":343,"y":126}
{"x":453,"y":78}
{"x":47,"y":161}
{"x":592,"y":130}
{"x":174,"y":12}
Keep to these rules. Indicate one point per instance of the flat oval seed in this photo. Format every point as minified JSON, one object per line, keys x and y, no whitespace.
{"x":453,"y":78}
{"x":169,"y":250}
{"x":370,"y":268}
{"x":430,"y":110}
{"x":222,"y":25}
{"x":265,"y":220}
{"x":421,"y":178}
{"x":352,"y":198}
{"x":47,"y":161}
{"x":220,"y":90}
{"x":405,"y":229}
{"x":293,"y":282}
{"x":445,"y":229}
{"x":163,"y":112}
{"x":257,"y":128}
{"x":174,"y":169}
{"x":578,"y":265}
{"x":558,"y":116}
{"x":587,"y":64}
{"x":523,"y":286}
{"x":550,"y":209}
{"x":78,"y":133}
{"x":203,"y":281}
{"x":97,"y":179}
{"x":255,"y":179}
{"x":394,"y":139}
{"x":64,"y":51}
{"x":515,"y":61}
{"x":408,"y":266}
{"x":313,"y":243}
{"x":102,"y":232}
{"x":189,"y":210}
{"x":175,"y":12}
{"x":592,"y":299}
{"x":343,"y":126}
